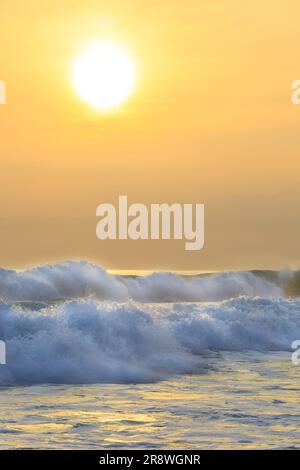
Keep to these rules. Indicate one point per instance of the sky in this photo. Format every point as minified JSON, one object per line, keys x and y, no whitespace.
{"x":210,"y":121}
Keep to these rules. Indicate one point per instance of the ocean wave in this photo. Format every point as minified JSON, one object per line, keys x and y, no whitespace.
{"x":82,"y":279}
{"x":91,"y":341}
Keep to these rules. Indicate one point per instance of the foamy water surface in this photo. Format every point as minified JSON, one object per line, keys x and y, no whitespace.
{"x":96,"y":360}
{"x":246,"y":400}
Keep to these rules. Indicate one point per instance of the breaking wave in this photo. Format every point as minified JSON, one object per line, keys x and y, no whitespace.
{"x":92,"y":341}
{"x":74,"y":322}
{"x":81,"y":279}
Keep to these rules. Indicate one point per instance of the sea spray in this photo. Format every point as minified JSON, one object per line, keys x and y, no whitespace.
{"x":81,"y":279}
{"x":89,"y":341}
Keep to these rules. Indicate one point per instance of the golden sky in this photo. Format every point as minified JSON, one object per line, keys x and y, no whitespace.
{"x":210,"y":121}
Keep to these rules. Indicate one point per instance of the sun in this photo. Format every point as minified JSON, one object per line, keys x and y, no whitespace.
{"x":104,"y":75}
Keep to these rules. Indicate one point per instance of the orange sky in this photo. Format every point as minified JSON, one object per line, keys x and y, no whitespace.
{"x":210,"y":121}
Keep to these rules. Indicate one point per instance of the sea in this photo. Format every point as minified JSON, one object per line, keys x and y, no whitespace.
{"x":100,"y":360}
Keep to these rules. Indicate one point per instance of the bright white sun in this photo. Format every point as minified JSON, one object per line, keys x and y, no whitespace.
{"x":104,"y":76}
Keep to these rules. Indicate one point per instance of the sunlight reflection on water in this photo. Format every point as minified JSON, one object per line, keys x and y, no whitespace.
{"x":249,"y":400}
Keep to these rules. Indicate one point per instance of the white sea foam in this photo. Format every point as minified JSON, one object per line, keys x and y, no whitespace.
{"x":82,"y":279}
{"x":84,"y":341}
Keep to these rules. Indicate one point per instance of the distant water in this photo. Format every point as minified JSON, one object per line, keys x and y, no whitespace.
{"x":96,"y":360}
